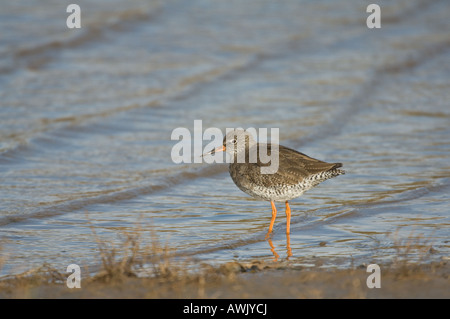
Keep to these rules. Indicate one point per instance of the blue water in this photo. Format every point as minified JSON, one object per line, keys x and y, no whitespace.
{"x":86,"y":118}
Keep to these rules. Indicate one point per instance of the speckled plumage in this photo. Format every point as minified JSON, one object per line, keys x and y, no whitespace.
{"x":296,"y":172}
{"x":291,"y":173}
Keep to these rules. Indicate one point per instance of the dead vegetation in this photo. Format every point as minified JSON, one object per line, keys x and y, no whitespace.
{"x":130,"y":269}
{"x":411,"y":252}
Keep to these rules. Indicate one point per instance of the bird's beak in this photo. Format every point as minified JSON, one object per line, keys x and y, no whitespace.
{"x":216,"y":150}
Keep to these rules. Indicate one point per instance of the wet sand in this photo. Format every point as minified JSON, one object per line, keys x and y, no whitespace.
{"x":243,"y":280}
{"x":86,"y":119}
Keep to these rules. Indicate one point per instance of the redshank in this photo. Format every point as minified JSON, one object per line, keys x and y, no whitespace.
{"x":296,"y":171}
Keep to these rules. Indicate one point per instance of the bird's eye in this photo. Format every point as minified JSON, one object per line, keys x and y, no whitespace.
{"x":234,"y":141}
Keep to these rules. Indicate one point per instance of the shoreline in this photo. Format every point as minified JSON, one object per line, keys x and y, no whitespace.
{"x":240,"y":281}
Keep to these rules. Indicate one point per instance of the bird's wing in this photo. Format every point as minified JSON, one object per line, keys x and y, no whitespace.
{"x":293,"y":166}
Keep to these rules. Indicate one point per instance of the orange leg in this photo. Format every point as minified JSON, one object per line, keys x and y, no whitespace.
{"x":274,"y":215}
{"x":288,"y":230}
{"x":288,"y":218}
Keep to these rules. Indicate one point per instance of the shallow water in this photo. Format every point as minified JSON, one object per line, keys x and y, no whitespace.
{"x":86,"y":118}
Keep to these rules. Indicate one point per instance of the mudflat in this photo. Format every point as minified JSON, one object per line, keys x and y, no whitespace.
{"x":243,"y":280}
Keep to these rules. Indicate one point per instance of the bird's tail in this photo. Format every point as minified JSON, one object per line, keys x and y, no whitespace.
{"x":335,"y":169}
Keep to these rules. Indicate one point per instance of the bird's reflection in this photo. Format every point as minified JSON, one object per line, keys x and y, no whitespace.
{"x":288,"y":247}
